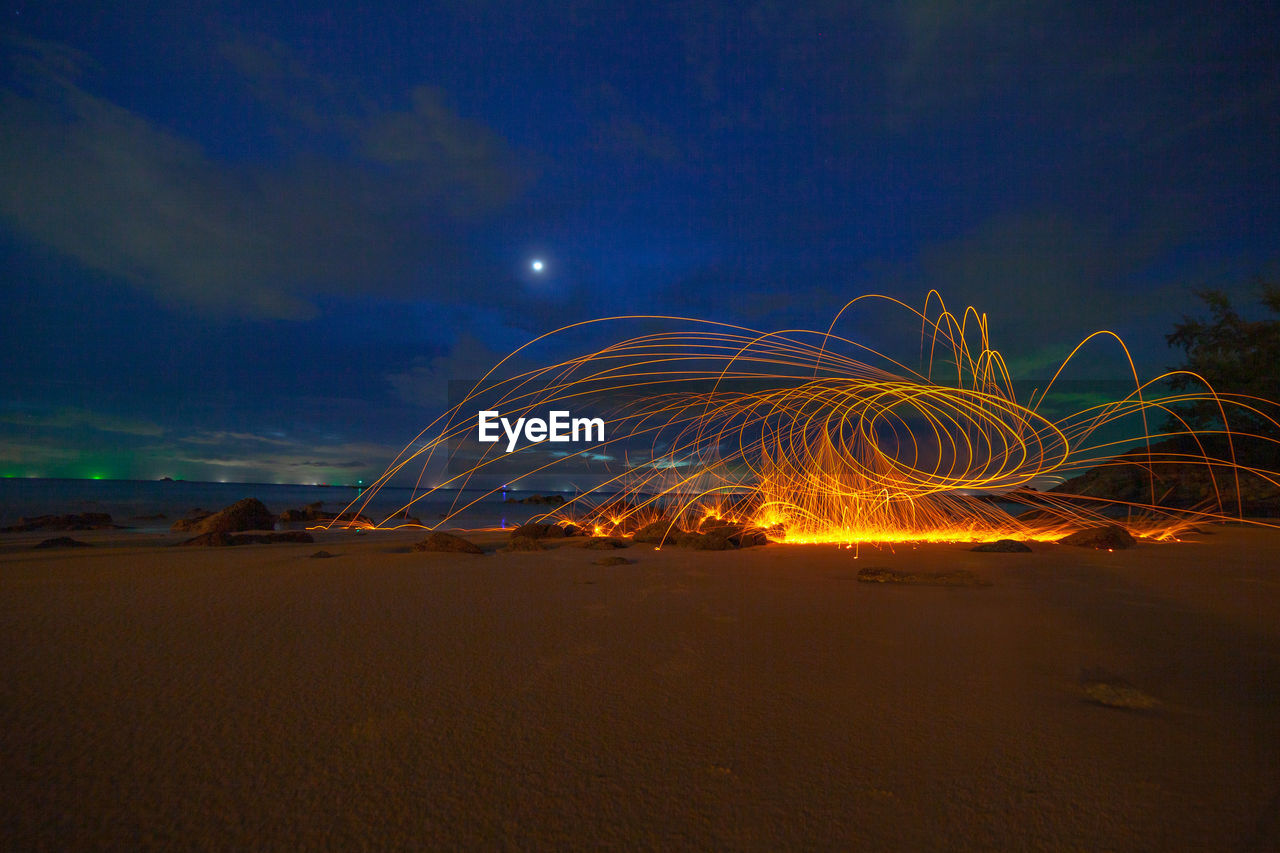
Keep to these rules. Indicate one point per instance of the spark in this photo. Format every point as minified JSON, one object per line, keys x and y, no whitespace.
{"x":816,"y":438}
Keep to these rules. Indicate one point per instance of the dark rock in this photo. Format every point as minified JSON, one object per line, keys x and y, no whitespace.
{"x":613,"y":561}
{"x":604,"y":543}
{"x":1111,"y":537}
{"x":404,"y":517}
{"x":345,"y":518}
{"x":74,"y":521}
{"x":723,"y":529}
{"x":321,"y":555}
{"x":959,"y":577}
{"x":749,"y":537}
{"x":447,"y":542}
{"x":246,"y":514}
{"x":63,"y":542}
{"x":549,"y":500}
{"x":524,"y":543}
{"x":546,"y":531}
{"x":737,"y":535}
{"x":656,"y":533}
{"x":223,"y":538}
{"x":314,"y":513}
{"x":1003,"y":546}
{"x":189,"y":521}
{"x":538,"y":530}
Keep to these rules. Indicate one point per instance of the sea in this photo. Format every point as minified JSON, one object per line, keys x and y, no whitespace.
{"x":153,"y":505}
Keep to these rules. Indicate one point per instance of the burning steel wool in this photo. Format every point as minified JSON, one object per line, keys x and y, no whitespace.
{"x":813,"y":437}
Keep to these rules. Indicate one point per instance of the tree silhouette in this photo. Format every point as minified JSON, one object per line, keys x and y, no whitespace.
{"x":1236,"y":356}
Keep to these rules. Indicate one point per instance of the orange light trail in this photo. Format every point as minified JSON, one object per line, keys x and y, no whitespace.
{"x":819,"y":438}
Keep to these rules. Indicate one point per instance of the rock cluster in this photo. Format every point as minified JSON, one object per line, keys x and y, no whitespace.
{"x":314,"y":513}
{"x":538,"y":530}
{"x":712,"y":535}
{"x":1141,"y":477}
{"x":246,"y":514}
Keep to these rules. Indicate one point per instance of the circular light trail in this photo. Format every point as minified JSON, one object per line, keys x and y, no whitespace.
{"x":790,"y":432}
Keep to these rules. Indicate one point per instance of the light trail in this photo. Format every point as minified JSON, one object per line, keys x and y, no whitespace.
{"x":819,"y":438}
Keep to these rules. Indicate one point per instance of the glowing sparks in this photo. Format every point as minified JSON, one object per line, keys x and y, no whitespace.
{"x":788,"y":432}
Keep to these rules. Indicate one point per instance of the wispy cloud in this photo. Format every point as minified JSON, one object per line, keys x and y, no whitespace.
{"x":78,"y":419}
{"x":427,"y":384}
{"x":380,"y":213}
{"x":220,"y":438}
{"x":294,"y":460}
{"x":36,"y":454}
{"x":1047,"y":281}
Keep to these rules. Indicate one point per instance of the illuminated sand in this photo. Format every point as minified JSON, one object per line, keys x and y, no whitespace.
{"x":252,"y":697}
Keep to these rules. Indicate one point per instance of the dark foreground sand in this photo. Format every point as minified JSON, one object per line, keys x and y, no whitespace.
{"x":252,"y":698}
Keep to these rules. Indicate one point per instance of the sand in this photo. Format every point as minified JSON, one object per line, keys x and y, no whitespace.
{"x":255,"y":698}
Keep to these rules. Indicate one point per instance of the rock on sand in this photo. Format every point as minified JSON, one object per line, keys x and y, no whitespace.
{"x":1003,"y":546}
{"x":1112,"y":537}
{"x":247,"y":514}
{"x":448,"y":542}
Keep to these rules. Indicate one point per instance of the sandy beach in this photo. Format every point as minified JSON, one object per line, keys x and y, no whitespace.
{"x":256,"y":698}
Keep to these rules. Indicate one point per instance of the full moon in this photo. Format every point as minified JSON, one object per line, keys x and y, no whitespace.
{"x":536,"y":266}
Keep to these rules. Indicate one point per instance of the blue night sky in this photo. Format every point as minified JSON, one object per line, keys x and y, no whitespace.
{"x":254,"y":241}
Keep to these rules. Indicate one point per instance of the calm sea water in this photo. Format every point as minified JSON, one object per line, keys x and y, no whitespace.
{"x":131,"y":502}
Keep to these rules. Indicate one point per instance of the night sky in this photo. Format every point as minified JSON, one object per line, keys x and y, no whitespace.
{"x":255,"y":241}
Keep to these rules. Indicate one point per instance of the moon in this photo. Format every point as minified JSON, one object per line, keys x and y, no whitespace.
{"x":536,"y":265}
